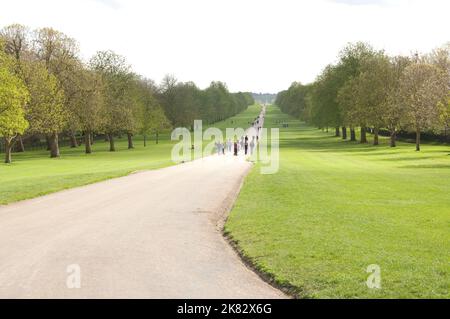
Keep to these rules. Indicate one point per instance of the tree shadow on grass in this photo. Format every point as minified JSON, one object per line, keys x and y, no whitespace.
{"x":311,"y":140}
{"x":431,"y":166}
{"x":411,"y":158}
{"x":312,"y":145}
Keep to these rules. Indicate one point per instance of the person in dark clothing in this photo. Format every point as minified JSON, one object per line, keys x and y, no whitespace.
{"x":246,"y":145}
{"x":235,"y":148}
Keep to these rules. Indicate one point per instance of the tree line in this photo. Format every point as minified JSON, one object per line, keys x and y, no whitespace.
{"x":371,"y":90}
{"x":46,"y":91}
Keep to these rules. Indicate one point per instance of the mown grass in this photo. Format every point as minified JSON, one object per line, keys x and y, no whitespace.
{"x":336,"y":207}
{"x":33,"y":173}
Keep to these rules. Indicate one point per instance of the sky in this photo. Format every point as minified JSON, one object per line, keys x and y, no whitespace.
{"x":251,"y":45}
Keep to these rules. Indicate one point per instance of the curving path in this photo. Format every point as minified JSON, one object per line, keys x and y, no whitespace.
{"x":152,"y":234}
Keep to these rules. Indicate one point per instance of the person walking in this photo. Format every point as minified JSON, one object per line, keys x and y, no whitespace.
{"x":252,"y":145}
{"x":235,"y":148}
{"x":246,"y":145}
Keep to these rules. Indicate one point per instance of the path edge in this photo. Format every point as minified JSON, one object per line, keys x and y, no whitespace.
{"x":227,"y":206}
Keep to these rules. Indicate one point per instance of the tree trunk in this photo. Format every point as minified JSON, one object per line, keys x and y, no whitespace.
{"x":111,"y":143}
{"x":393,"y":138}
{"x":87,"y":142}
{"x":352,"y":134}
{"x":8,"y":148}
{"x":73,"y":140}
{"x":130,"y":141}
{"x":92,"y":139}
{"x":20,"y":146}
{"x":344,"y":133}
{"x":338,"y":132}
{"x":327,"y":129}
{"x":446,"y":138}
{"x":49,"y":143}
{"x":157,"y":138}
{"x":363,"y":134}
{"x":376,"y":139}
{"x":145,"y":140}
{"x":54,"y":145}
{"x":418,"y":140}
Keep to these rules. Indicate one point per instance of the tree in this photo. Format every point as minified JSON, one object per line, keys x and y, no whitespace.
{"x":351,"y":59}
{"x":13,"y":97}
{"x":91,"y":109}
{"x":423,"y":86}
{"x":58,"y":52}
{"x":394,"y":109}
{"x":348,"y":98}
{"x":117,"y":78}
{"x":152,"y":117}
{"x":440,"y":57}
{"x":294,"y":100}
{"x":16,"y":39}
{"x":45,"y":112}
{"x":167,"y":96}
{"x":372,"y":87}
{"x":159,"y":122}
{"x":327,"y":112}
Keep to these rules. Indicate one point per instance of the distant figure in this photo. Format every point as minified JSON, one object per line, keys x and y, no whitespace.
{"x":219,"y":148}
{"x":235,"y":148}
{"x":242,"y":143}
{"x":252,"y":145}
{"x":216,"y":144}
{"x":246,"y":145}
{"x":230,"y":146}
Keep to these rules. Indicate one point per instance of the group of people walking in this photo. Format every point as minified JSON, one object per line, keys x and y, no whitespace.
{"x":244,"y":144}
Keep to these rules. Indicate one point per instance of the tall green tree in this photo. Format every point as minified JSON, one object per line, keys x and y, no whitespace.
{"x":45,"y":112}
{"x":13,"y":97}
{"x":395,"y":109}
{"x":58,"y":53}
{"x":372,"y":87}
{"x":423,"y":87}
{"x":17,"y":44}
{"x":91,"y":110}
{"x":152,"y":117}
{"x":118,"y":79}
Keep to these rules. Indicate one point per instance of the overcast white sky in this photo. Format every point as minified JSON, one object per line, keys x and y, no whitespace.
{"x":252,"y":45}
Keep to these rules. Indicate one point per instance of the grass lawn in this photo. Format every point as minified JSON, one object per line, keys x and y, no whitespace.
{"x":33,"y":173}
{"x":241,"y":120}
{"x":336,"y":207}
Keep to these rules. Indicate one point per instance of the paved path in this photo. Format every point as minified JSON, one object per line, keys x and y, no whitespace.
{"x":152,"y":234}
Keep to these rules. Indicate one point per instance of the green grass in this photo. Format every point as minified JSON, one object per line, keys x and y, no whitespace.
{"x":336,"y":207}
{"x":241,"y":120}
{"x":33,"y":173}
